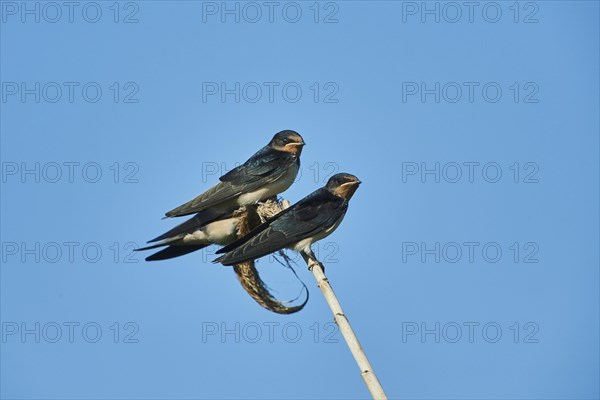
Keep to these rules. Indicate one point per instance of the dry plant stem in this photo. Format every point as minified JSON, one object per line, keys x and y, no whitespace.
{"x":340,"y":319}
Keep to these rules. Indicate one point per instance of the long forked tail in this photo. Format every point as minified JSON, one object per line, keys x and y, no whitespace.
{"x":174,"y":251}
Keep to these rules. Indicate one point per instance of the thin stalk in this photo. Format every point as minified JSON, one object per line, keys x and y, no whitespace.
{"x":341,"y":320}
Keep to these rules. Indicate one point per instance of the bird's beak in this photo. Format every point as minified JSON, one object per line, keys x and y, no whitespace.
{"x":347,"y":189}
{"x":294,"y":147}
{"x":351,"y":183}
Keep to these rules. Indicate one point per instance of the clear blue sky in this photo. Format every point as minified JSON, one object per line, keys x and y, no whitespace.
{"x":460,"y":283}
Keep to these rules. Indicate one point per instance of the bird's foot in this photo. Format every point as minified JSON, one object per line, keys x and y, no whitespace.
{"x":313,"y":263}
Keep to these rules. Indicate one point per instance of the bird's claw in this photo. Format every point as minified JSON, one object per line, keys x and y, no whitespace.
{"x":313,"y":263}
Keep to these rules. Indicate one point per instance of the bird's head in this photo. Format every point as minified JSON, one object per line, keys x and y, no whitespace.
{"x":289,"y":141}
{"x":343,"y":185}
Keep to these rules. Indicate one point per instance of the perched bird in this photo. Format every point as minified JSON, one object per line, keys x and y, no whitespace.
{"x":311,"y":219}
{"x":268,"y":172}
{"x":212,"y":226}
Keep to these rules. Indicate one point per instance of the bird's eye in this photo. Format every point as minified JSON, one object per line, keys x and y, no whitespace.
{"x":286,"y":140}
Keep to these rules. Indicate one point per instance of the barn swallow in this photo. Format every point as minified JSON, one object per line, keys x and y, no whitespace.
{"x":212,"y":226}
{"x":268,"y":172}
{"x":311,"y":219}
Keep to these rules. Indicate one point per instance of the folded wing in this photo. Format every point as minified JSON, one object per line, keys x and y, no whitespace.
{"x":264,"y":167}
{"x":312,"y":215}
